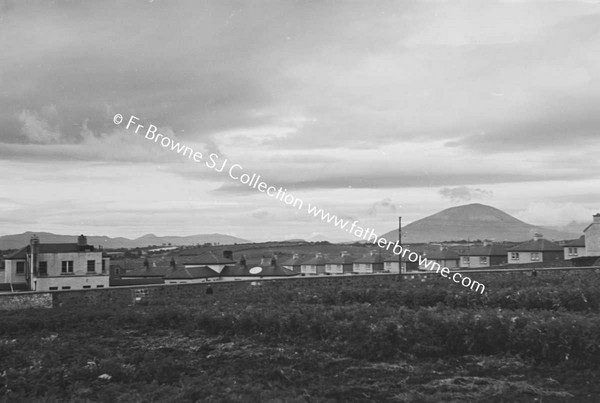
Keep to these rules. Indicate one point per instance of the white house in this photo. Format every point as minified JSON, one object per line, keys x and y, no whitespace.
{"x":392,"y":265}
{"x":486,"y":255}
{"x":535,"y":251}
{"x":592,"y":237}
{"x":372,"y":263}
{"x":58,"y":266}
{"x":340,"y":264}
{"x":574,"y":248}
{"x":316,"y":265}
{"x":293,"y":263}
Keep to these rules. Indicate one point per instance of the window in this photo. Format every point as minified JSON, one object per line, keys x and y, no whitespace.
{"x":483,"y":260}
{"x":103,"y":266}
{"x":67,"y":266}
{"x":66,"y":287}
{"x":91,"y":266}
{"x":466,"y":260}
{"x":514,"y":255}
{"x":43,"y":268}
{"x":53,"y":288}
{"x":99,"y":286}
{"x":572,"y":251}
{"x":87,"y":286}
{"x":535,"y":256}
{"x":20,"y":267}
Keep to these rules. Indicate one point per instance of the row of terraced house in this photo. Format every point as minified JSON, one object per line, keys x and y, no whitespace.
{"x":47,"y":266}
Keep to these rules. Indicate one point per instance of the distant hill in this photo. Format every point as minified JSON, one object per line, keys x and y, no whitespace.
{"x":473,"y":221}
{"x":19,"y":240}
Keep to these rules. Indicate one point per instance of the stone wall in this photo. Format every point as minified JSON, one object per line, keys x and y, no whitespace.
{"x":26,"y":300}
{"x":123,"y":296}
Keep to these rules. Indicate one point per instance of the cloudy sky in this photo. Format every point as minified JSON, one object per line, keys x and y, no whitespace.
{"x":369,"y":110}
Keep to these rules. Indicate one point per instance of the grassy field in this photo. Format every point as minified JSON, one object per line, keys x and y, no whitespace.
{"x":528,"y":339}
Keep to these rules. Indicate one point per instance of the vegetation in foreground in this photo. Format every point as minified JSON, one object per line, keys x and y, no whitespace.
{"x":528,"y":339}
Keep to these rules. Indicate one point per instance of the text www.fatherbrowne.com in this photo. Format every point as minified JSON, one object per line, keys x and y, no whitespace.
{"x":237,"y":173}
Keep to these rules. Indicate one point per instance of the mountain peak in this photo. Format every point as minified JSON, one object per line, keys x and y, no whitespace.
{"x":472,"y":221}
{"x":148,"y":236}
{"x":19,"y":240}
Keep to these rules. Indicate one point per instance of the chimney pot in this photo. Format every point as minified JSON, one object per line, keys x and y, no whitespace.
{"x":597,"y":218}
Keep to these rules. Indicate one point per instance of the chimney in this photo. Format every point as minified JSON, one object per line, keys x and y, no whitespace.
{"x":146,"y":264}
{"x":227,"y":254}
{"x":485,"y":242}
{"x":274,"y":260}
{"x":243,"y":261}
{"x":597,"y":218}
{"x":296,"y":256}
{"x":81,"y":242}
{"x":344,"y":253}
{"x":265,"y":261}
{"x":537,"y":236}
{"x":35,"y":253}
{"x":172,"y":264}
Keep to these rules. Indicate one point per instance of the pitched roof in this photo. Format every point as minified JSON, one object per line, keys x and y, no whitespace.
{"x":394,"y":258}
{"x":376,"y":258}
{"x":537,"y":245}
{"x":579,"y":242}
{"x":156,"y":268}
{"x":192,"y":273}
{"x":342,"y":259}
{"x":48,"y":248}
{"x":293,"y":262}
{"x":486,"y":250}
{"x":256,"y":271}
{"x":206,"y":258}
{"x":317,"y":260}
{"x":437,"y":254}
{"x":159,"y":271}
{"x":594,"y":222}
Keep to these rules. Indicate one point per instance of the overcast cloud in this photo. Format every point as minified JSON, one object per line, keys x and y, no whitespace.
{"x":368,"y":109}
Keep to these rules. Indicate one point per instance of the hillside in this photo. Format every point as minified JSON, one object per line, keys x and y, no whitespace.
{"x":473,"y":221}
{"x":19,"y":240}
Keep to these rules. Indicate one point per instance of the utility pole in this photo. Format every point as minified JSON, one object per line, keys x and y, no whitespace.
{"x":400,"y":243}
